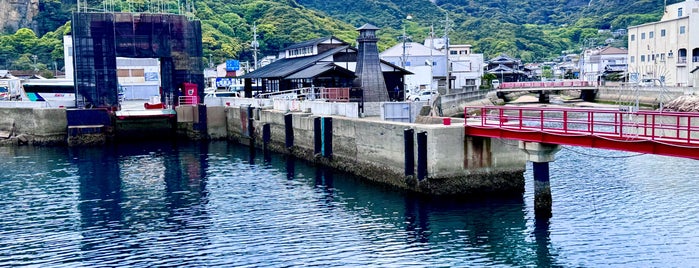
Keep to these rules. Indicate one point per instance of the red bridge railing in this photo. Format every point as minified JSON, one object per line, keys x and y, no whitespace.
{"x":666,"y":133}
{"x":548,"y":84}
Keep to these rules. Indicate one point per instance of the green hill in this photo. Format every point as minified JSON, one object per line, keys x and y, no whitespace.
{"x":531,"y":30}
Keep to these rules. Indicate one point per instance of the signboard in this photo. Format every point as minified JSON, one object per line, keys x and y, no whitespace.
{"x":232,"y":65}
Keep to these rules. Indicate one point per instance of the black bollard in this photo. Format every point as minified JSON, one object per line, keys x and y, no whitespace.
{"x":327,"y":128}
{"x":421,"y":155}
{"x":409,"y":145}
{"x":288,"y":130}
{"x":317,"y":137}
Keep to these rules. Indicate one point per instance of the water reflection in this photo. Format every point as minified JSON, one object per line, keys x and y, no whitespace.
{"x":130,"y":192}
{"x":495,"y":229}
{"x":207,"y":204}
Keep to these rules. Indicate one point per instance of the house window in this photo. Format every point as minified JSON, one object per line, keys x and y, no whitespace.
{"x":662,"y":33}
{"x":669,"y":55}
{"x":662,"y":57}
{"x":643,"y":58}
{"x":633,"y":37}
{"x":679,"y":12}
{"x":633,"y":59}
{"x":643,"y":36}
{"x":650,"y":34}
{"x":682,"y":29}
{"x":453,"y":52}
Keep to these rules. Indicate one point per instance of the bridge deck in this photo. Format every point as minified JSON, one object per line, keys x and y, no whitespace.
{"x":664,"y":133}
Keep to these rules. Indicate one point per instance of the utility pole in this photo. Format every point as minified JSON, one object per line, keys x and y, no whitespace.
{"x":404,"y":38}
{"x":447,"y":28}
{"x":255,"y":45}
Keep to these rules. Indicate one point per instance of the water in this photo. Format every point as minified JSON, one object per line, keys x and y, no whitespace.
{"x":196,"y":205}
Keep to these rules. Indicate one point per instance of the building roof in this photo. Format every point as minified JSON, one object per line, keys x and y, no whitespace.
{"x":287,"y":66}
{"x":316,"y":42}
{"x":613,"y":51}
{"x":368,"y":26}
{"x":318,"y":69}
{"x":411,"y":49}
{"x":503,"y":69}
{"x":503,"y":58}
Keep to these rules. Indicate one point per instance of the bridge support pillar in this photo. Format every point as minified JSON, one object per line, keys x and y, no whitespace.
{"x":540,"y":154}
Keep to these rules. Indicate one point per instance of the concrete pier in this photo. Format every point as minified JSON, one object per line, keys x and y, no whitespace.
{"x":448,"y":162}
{"x":540,"y":154}
{"x":376,"y":150}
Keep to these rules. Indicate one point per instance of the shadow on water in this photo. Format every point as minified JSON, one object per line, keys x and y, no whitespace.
{"x":496,"y":229}
{"x":144,"y":189}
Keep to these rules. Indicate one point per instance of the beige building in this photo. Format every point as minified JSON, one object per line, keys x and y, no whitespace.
{"x":667,"y":50}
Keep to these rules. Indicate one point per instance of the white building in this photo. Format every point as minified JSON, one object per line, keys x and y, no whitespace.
{"x":595,"y":61}
{"x":668,"y":49}
{"x":429,"y":67}
{"x":139,"y":78}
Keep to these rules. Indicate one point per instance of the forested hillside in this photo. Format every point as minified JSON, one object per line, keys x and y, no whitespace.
{"x":534,"y":30}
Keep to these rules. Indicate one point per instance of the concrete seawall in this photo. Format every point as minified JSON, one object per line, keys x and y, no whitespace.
{"x":37,"y":126}
{"x":375,"y":150}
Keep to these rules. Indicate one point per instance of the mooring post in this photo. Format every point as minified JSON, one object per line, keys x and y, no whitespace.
{"x":540,"y":154}
{"x":317,"y":134}
{"x":266,"y":136}
{"x":327,"y":127}
{"x":409,"y":145}
{"x":421,"y":155}
{"x":288,"y":130}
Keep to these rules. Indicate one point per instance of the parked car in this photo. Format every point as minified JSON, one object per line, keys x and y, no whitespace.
{"x":646,"y":82}
{"x":496,"y":84}
{"x":423,"y":96}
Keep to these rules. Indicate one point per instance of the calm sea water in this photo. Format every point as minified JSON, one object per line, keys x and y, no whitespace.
{"x":213,"y":204}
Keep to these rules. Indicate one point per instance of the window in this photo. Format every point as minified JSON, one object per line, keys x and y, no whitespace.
{"x":662,"y":57}
{"x":669,"y":55}
{"x":633,"y":37}
{"x":453,"y":52}
{"x":650,"y":34}
{"x":682,"y":29}
{"x":679,"y":12}
{"x":662,"y":33}
{"x":633,"y":59}
{"x":643,"y":36}
{"x":643,"y":58}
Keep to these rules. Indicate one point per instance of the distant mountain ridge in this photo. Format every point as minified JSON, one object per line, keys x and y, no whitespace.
{"x":532,"y":30}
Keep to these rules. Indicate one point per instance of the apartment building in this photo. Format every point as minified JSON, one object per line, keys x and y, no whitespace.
{"x":667,"y":50}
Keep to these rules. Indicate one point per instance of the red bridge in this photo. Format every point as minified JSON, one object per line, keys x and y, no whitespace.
{"x":651,"y":132}
{"x":567,"y":84}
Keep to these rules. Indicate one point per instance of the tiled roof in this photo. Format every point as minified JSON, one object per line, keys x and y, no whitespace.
{"x":317,"y":69}
{"x":287,"y":66}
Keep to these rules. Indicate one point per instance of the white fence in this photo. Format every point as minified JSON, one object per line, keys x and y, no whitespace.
{"x":24,"y":104}
{"x":347,"y":109}
{"x":237,"y":102}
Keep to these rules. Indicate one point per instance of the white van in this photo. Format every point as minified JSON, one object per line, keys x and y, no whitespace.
{"x":495,"y":84}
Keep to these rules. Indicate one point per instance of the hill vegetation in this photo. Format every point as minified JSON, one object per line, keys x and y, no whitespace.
{"x":528,"y":29}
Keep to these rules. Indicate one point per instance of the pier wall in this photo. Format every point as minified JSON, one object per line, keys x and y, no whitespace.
{"x":374,"y":149}
{"x":38,"y":126}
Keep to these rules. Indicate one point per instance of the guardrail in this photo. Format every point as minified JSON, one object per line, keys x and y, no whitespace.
{"x":188,"y":100}
{"x":548,"y":84}
{"x":677,"y":128}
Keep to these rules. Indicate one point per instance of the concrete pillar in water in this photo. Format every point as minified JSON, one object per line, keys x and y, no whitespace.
{"x":540,"y":154}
